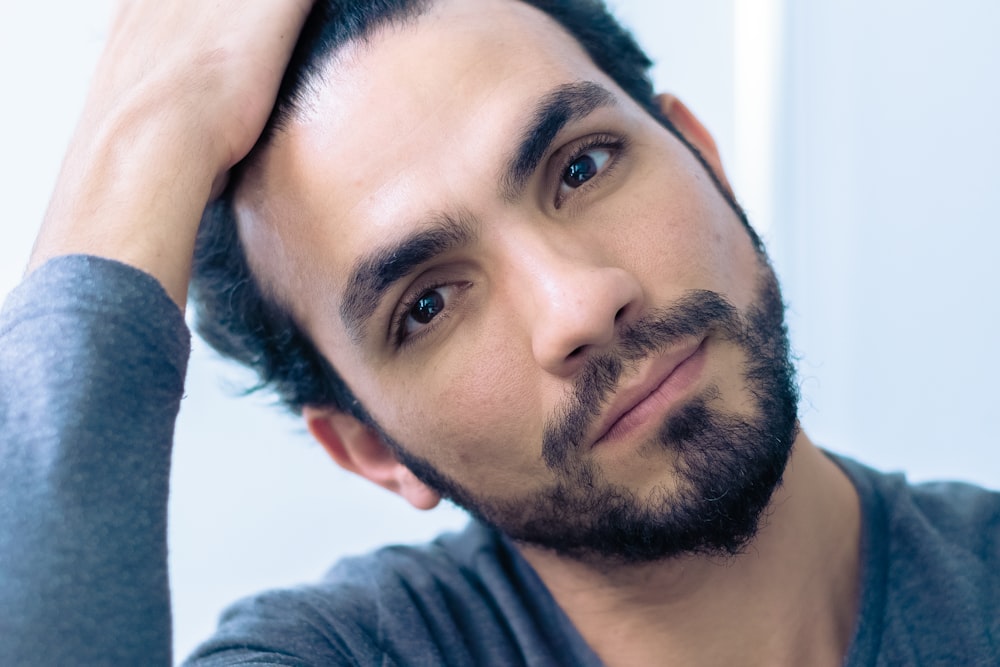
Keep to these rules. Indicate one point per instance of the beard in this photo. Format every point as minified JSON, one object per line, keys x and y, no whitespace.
{"x":726,"y":465}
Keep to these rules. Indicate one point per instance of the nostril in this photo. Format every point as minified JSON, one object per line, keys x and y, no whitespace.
{"x":577,"y":352}
{"x":620,"y":314}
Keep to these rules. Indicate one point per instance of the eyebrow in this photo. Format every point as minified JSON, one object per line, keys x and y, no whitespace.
{"x":563,"y":105}
{"x":376,"y":272}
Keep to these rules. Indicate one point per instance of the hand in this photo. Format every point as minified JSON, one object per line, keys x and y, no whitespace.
{"x":181,"y":93}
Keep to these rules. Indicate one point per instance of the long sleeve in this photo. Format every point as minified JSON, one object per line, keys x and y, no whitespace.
{"x":92,"y":361}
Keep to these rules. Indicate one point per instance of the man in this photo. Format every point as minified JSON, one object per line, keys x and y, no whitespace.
{"x":487,"y":264}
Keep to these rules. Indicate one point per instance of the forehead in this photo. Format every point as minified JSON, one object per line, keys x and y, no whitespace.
{"x":414,"y":121}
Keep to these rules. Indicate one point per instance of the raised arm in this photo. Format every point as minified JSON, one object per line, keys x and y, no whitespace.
{"x":93,"y":353}
{"x":181,"y":93}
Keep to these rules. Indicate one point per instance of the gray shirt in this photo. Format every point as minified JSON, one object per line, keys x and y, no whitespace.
{"x":92,"y":362}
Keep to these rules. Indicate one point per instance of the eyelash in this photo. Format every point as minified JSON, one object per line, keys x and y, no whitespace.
{"x":402,"y":339}
{"x":614,"y":145}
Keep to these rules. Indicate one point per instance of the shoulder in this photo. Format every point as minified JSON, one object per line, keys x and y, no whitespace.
{"x":932,"y":582}
{"x":953,"y":515}
{"x":953,"y":520}
{"x":425,"y":600}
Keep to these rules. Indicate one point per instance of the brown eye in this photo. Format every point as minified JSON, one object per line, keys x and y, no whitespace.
{"x":584,"y":167}
{"x":429,"y":304}
{"x":427,"y":307}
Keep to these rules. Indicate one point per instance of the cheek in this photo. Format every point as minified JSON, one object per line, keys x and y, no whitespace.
{"x":474,"y":411}
{"x":684,"y":235}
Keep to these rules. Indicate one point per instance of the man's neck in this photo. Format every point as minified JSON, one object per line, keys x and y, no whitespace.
{"x":790,"y":598}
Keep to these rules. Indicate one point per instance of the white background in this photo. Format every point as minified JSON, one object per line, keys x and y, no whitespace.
{"x":861,"y":137}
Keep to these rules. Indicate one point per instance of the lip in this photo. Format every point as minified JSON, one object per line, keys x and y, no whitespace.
{"x":653,"y":392}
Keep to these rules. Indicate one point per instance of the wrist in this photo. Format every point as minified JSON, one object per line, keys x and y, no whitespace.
{"x":132,"y":188}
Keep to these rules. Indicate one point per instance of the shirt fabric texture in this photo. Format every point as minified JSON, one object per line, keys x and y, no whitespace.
{"x":92,"y":361}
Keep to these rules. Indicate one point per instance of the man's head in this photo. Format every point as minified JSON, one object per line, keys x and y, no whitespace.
{"x":236,"y":312}
{"x":542,"y":298}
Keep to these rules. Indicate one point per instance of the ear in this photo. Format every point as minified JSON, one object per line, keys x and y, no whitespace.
{"x":692,"y":129}
{"x":357,"y":448}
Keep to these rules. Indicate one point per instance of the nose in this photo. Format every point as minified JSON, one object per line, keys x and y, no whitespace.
{"x":579,"y":307}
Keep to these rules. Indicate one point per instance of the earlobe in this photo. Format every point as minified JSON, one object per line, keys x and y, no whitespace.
{"x":359,"y":449}
{"x":416,"y":492}
{"x":697,"y":134}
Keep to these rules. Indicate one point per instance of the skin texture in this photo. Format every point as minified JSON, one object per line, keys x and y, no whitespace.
{"x":548,"y":280}
{"x":542,"y":282}
{"x":180,"y":94}
{"x":540,"y":289}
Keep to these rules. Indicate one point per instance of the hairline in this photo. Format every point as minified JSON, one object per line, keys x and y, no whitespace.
{"x":285,"y":114}
{"x":296,"y":107}
{"x":628,"y":67}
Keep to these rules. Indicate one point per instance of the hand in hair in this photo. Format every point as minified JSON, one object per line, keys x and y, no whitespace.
{"x":180,"y":94}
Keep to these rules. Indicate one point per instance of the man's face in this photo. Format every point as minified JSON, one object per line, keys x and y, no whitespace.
{"x":535,"y":290}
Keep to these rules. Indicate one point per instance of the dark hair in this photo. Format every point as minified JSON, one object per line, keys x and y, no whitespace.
{"x":240,"y":319}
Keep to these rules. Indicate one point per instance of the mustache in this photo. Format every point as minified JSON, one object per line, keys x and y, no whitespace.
{"x":695,"y":313}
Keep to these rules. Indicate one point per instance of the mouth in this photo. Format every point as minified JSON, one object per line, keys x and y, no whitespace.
{"x":654,"y":392}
